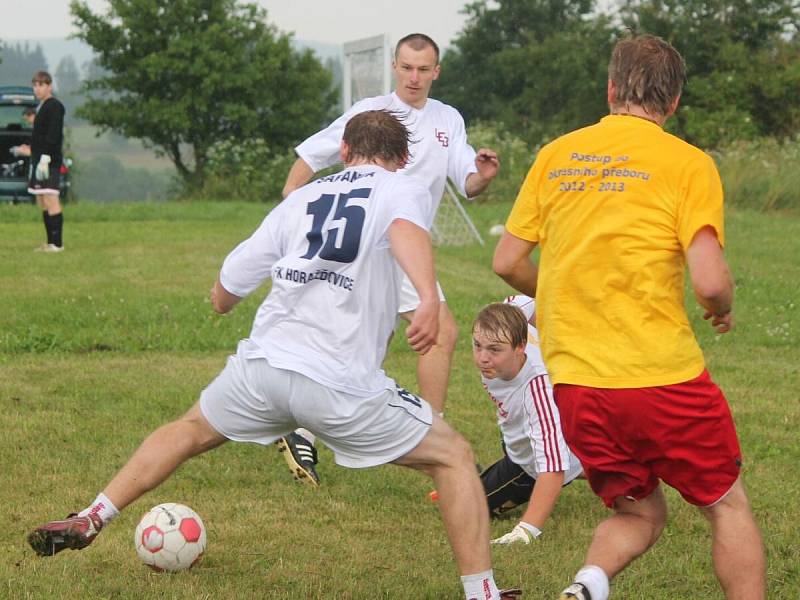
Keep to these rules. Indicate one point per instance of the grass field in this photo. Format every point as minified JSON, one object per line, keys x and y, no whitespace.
{"x":101,"y":344}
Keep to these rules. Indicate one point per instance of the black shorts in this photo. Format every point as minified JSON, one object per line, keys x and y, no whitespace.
{"x":50,"y":185}
{"x":506,"y":486}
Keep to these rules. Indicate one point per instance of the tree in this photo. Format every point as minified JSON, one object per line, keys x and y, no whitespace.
{"x":537,"y":66}
{"x":20,"y":62}
{"x":190,"y":73}
{"x":743,"y":64}
{"x":68,"y":82}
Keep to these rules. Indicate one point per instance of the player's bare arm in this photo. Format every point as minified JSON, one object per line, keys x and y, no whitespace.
{"x":543,"y":499}
{"x":711,"y":279}
{"x":411,"y":247}
{"x":222,"y":301}
{"x":512,"y":262}
{"x":488,"y":164}
{"x":299,"y":175}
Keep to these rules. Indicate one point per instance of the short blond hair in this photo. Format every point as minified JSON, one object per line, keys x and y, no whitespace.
{"x":503,"y":323}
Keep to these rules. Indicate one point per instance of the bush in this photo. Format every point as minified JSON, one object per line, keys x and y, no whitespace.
{"x":106,"y":179}
{"x":516,"y":158}
{"x":761,"y":174}
{"x":245,"y":170}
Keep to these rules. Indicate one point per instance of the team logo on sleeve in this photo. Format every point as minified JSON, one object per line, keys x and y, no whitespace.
{"x":442,"y":137}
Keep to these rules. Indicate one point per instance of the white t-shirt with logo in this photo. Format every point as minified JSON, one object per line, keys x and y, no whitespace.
{"x":335,"y":282}
{"x":527,"y":413}
{"x":438,"y":147}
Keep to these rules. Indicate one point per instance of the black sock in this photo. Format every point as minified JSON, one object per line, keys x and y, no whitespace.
{"x":56,"y":227}
{"x":47,"y":226}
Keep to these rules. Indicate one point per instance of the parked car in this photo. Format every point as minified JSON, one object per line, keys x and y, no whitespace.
{"x":14,"y":131}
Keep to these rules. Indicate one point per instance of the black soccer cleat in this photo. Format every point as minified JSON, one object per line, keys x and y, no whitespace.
{"x":510,"y":594}
{"x":74,"y":533}
{"x":577,"y":591}
{"x":301,"y":456}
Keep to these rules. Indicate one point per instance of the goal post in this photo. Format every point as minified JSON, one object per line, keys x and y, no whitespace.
{"x":367,"y":72}
{"x":367,"y":69}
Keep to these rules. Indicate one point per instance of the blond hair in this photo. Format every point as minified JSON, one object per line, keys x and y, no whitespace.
{"x":503,"y":323}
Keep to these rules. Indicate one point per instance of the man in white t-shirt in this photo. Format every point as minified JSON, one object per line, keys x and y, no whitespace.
{"x":334,"y":251}
{"x":439,"y":150}
{"x":537,"y":462}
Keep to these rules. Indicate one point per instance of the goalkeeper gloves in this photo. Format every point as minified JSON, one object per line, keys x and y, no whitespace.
{"x":523,"y":532}
{"x":43,"y":168}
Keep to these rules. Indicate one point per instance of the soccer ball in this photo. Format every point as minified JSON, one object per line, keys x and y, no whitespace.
{"x":170,"y":537}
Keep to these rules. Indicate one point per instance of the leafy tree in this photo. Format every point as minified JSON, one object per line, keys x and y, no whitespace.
{"x":537,"y":66}
{"x":20,"y":62}
{"x":743,"y":64}
{"x":188,"y":73}
{"x":68,"y":81}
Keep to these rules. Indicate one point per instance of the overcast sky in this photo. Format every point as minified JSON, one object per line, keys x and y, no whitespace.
{"x":330,"y":21}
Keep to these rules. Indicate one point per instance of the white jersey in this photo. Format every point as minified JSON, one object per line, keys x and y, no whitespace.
{"x":527,"y":414}
{"x":335,"y":282}
{"x":438,"y":147}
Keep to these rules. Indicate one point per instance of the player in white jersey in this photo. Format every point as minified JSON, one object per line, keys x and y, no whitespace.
{"x":537,"y":462}
{"x":334,"y":250}
{"x":439,"y":150}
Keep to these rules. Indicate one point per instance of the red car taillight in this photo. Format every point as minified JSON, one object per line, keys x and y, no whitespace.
{"x":64,"y":169}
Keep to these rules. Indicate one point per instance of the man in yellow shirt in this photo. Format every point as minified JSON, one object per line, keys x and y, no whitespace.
{"x":619,"y":209}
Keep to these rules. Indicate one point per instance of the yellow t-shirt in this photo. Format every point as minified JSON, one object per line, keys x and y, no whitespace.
{"x":614,"y":206}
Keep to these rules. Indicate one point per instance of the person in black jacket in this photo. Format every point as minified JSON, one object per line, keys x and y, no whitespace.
{"x":45,"y":166}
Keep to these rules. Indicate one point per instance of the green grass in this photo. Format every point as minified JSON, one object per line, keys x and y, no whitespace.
{"x":761,"y":174}
{"x":101,"y":344}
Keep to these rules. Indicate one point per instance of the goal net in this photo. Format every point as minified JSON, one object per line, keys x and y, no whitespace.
{"x":367,"y":72}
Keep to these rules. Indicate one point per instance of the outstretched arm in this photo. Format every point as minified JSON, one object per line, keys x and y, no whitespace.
{"x":543,"y":499}
{"x":299,"y":175}
{"x":711,"y":279}
{"x":411,"y":246}
{"x":512,"y":261}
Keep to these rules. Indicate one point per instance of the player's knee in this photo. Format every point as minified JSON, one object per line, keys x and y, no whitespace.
{"x":195,"y":432}
{"x":733,"y":505}
{"x":650,"y":512}
{"x":460,"y":452}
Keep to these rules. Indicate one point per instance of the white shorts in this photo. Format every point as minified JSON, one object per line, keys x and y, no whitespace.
{"x":409,"y":299}
{"x":252,"y":401}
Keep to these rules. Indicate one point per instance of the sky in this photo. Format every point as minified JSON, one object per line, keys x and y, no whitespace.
{"x":329,"y":21}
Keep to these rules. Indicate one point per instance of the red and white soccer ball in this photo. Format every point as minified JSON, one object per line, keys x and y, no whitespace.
{"x":170,"y":537}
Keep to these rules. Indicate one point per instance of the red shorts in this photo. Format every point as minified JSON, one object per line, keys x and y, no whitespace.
{"x":627,"y":439}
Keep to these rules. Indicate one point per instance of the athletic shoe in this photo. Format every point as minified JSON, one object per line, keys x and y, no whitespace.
{"x":74,"y":532}
{"x":301,"y":456}
{"x":49,"y":248}
{"x":577,"y":591}
{"x":510,"y":594}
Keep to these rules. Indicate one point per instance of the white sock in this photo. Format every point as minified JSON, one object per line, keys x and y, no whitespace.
{"x":480,"y":586}
{"x":306,"y":434}
{"x":102,"y":507}
{"x":595,"y":580}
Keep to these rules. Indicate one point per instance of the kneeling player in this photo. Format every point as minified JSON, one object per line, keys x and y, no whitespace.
{"x":537,"y":462}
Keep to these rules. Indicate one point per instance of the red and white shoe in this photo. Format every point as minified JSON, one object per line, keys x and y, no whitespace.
{"x":74,"y":533}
